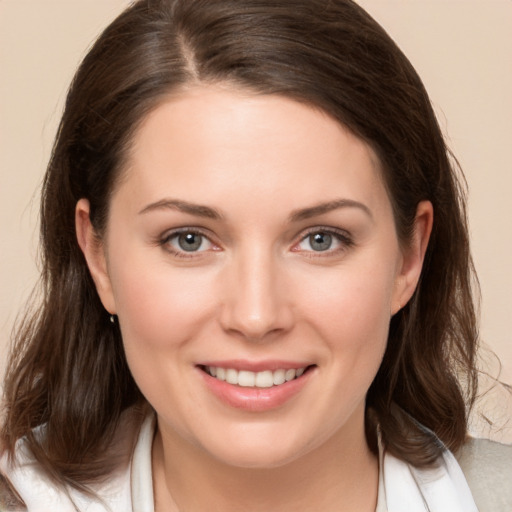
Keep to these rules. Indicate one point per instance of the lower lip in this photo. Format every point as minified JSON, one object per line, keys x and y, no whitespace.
{"x":255,"y":399}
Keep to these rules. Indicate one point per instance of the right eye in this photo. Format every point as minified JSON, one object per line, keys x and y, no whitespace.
{"x":187,"y":241}
{"x":320,"y":241}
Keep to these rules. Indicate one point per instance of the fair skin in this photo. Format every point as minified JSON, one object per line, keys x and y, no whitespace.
{"x":217,"y":261}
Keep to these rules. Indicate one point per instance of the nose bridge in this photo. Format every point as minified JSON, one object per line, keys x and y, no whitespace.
{"x":256,"y":302}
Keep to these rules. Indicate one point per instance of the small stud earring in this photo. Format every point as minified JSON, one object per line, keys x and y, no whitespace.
{"x":112,"y":319}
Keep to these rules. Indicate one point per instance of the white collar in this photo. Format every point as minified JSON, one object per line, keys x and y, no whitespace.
{"x":441,"y":489}
{"x":402,"y":487}
{"x":141,"y":474}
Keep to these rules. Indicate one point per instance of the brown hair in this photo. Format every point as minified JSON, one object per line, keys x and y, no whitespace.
{"x":68,"y":370}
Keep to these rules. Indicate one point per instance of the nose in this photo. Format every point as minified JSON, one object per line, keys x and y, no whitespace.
{"x":257,"y":303}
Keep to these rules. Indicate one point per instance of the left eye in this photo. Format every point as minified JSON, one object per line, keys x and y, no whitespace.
{"x":189,"y":241}
{"x":320,"y":241}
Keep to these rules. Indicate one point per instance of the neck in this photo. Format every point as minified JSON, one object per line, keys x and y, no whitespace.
{"x":341,"y":475}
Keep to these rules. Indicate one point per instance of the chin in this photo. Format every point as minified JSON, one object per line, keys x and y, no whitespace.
{"x":257,"y":459}
{"x":259,"y":451}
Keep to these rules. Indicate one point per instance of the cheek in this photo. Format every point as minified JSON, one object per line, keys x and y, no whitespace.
{"x":351,"y":312}
{"x":353,"y":308}
{"x":160,"y":310}
{"x":158,"y":305}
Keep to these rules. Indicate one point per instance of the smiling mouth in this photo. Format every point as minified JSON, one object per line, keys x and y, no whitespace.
{"x":248,"y":379}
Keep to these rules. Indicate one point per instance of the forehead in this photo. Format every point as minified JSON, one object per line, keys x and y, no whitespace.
{"x":211,"y":144}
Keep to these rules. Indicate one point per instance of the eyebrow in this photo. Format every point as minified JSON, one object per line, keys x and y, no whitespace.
{"x":296,"y":216}
{"x":183,"y":206}
{"x":321,"y":208}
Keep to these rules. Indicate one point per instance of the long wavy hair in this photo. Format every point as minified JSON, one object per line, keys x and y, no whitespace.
{"x":67,"y":366}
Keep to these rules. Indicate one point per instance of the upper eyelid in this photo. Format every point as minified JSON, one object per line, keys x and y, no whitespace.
{"x":325,"y":229}
{"x":338,"y":232}
{"x":166,"y":235}
{"x":165,"y":243}
{"x":343,"y":237}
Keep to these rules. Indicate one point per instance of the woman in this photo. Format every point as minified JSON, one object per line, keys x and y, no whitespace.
{"x":257,"y":276}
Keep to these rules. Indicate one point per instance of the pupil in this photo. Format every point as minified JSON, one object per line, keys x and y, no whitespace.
{"x":189,"y":241}
{"x":320,"y":241}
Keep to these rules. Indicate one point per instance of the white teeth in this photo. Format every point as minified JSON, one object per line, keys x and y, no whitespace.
{"x":264,"y":379}
{"x":231,"y":376}
{"x":246,"y":379}
{"x":279,"y":377}
{"x":289,"y":375}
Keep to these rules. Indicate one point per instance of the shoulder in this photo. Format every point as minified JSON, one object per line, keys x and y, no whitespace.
{"x":26,"y":486}
{"x":487,"y":466}
{"x":9,"y":499}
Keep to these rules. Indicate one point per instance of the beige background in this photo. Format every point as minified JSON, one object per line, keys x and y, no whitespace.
{"x":461,"y":48}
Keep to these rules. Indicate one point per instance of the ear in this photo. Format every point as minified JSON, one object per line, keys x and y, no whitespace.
{"x":413,"y":256}
{"x":94,"y":253}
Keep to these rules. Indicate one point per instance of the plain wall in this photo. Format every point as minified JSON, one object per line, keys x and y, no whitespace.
{"x":461,"y":48}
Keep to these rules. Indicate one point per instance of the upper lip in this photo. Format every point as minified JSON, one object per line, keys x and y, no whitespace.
{"x":256,"y":366}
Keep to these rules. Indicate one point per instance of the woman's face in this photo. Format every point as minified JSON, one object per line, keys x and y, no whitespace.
{"x":251,"y":239}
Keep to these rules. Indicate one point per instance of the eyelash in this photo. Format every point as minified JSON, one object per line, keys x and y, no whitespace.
{"x":343,"y":237}
{"x":166,"y":239}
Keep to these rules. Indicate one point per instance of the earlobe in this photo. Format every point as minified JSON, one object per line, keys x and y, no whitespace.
{"x":414,"y":255}
{"x":94,"y":254}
